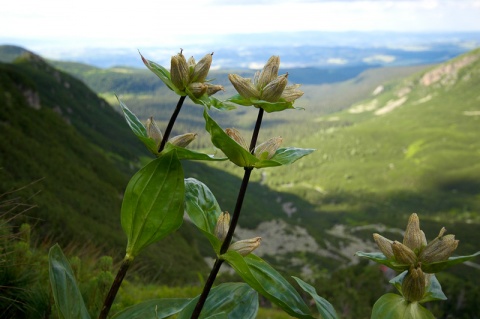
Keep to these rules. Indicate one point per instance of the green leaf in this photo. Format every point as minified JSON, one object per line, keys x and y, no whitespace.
{"x":186,"y":154}
{"x":267,"y":106}
{"x":228,"y":300}
{"x":268,"y":282}
{"x":392,"y":306}
{"x":153,"y":203}
{"x":441,"y":265}
{"x":234,"y":151}
{"x":68,"y":298}
{"x":138,"y":128}
{"x":432,"y":292}
{"x":153,"y":309}
{"x":381,"y":259}
{"x":203,"y":209}
{"x":323,"y":306}
{"x":162,"y":73}
{"x":284,"y":156}
{"x":221,"y":105}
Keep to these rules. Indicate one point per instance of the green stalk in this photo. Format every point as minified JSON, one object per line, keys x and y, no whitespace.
{"x":233,"y":224}
{"x":107,"y":304}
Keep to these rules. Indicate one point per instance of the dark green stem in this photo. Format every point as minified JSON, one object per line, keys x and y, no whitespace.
{"x":114,"y":288}
{"x":233,"y":224}
{"x":171,"y":122}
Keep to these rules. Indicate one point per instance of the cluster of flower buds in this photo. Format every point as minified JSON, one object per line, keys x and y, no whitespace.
{"x":243,"y":247}
{"x":155,"y":133}
{"x":190,"y":77}
{"x":266,"y":150}
{"x":414,"y":253}
{"x":267,"y":85}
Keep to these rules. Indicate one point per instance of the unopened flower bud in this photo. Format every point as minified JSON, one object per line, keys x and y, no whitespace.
{"x":269,"y":72}
{"x":439,"y":249}
{"x":235,"y":135}
{"x":191,"y":63}
{"x":245,"y":246}
{"x":267,"y":149}
{"x":153,"y":131}
{"x":243,"y":86}
{"x":212,"y":89}
{"x":273,"y":90}
{"x":179,"y":71}
{"x":385,"y":245}
{"x":403,"y":254}
{"x":201,"y":69}
{"x":413,"y":285}
{"x":291,"y":93}
{"x":197,"y":89}
{"x":183,"y":140}
{"x":223,"y":223}
{"x":414,"y":238}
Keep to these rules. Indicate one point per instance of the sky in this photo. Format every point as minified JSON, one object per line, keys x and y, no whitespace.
{"x":110,"y":24}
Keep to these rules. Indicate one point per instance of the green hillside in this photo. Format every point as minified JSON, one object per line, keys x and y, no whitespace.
{"x":79,"y":154}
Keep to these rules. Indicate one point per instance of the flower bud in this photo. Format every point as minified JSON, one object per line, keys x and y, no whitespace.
{"x":201,"y":69}
{"x":439,"y":249}
{"x":191,"y":63}
{"x":414,"y":238}
{"x":222,"y":226}
{"x":291,"y":93}
{"x":403,"y":254}
{"x":385,"y":245}
{"x":197,"y":89}
{"x":153,"y":131}
{"x":246,"y":246}
{"x":235,"y":135}
{"x":269,"y":72}
{"x":179,"y":71}
{"x":183,"y":140}
{"x":212,"y":89}
{"x":273,"y":90}
{"x":413,"y":285}
{"x":267,"y":149}
{"x":243,"y":86}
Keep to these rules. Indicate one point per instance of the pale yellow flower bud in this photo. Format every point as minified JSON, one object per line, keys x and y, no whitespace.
{"x":291,"y":93}
{"x":201,"y":69}
{"x":191,"y":63}
{"x":439,"y":249}
{"x":274,"y":89}
{"x":222,"y":226}
{"x":183,"y":140}
{"x":197,"y":89}
{"x":153,"y":131}
{"x":212,"y":89}
{"x":385,"y":245}
{"x":235,"y":135}
{"x":413,"y":238}
{"x":246,"y":246}
{"x":269,"y":72}
{"x":403,"y":254}
{"x":267,"y":149}
{"x":244,"y":86}
{"x":413,"y":285}
{"x":179,"y":71}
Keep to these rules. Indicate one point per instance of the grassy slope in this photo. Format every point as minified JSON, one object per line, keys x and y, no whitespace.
{"x":81,"y":152}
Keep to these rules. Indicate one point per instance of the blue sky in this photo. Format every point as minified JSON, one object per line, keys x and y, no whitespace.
{"x":108,"y":23}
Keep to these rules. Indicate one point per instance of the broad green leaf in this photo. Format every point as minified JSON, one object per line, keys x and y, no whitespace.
{"x":229,"y":300}
{"x":153,"y":202}
{"x":441,"y":265}
{"x":392,"y":306}
{"x":138,"y":128}
{"x":433,"y":290}
{"x":221,"y":105}
{"x":323,"y":306}
{"x":234,"y":151}
{"x":68,"y":299}
{"x":284,"y":156}
{"x":268,"y":282}
{"x":153,"y":309}
{"x":381,"y":259}
{"x":267,"y":106}
{"x":162,"y":73}
{"x":186,"y":154}
{"x":203,"y":209}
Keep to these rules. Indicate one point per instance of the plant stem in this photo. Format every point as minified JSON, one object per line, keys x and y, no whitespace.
{"x":233,"y":224}
{"x":171,"y":122}
{"x":114,"y":288}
